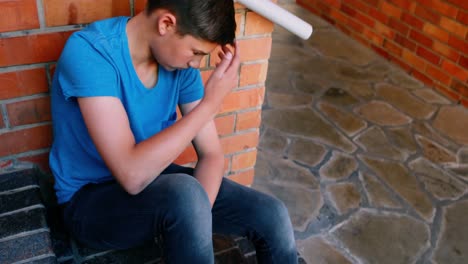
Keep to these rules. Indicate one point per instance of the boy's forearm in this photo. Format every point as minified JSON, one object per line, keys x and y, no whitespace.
{"x":209,"y":172}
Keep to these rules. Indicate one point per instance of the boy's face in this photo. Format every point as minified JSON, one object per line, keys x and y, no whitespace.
{"x":181,"y":52}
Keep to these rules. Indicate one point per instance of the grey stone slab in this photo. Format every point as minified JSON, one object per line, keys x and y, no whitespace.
{"x":403,"y":183}
{"x":344,"y":197}
{"x":430,"y":96}
{"x":435,"y":152}
{"x":424,"y":129}
{"x":382,"y":114}
{"x":339,"y":166}
{"x":438,"y":181}
{"x":452,"y":121}
{"x":316,"y":250}
{"x":339,"y":96}
{"x":282,"y":100}
{"x":460,"y":170}
{"x":307,"y":123}
{"x":345,"y":120}
{"x":349,"y":72}
{"x":330,"y":44}
{"x":377,"y":194}
{"x":404,"y":80}
{"x":403,"y":100}
{"x":25,"y":247}
{"x":307,"y":152}
{"x":452,"y":246}
{"x":384,"y":238}
{"x":374,"y":142}
{"x":403,"y":138}
{"x":233,"y":256}
{"x":303,"y":204}
{"x":361,"y":90}
{"x":273,"y":141}
{"x":462,"y":155}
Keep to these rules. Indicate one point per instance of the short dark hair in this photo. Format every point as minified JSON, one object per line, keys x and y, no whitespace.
{"x":211,"y":20}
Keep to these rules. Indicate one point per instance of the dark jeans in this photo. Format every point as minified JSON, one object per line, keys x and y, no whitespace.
{"x":176,"y":207}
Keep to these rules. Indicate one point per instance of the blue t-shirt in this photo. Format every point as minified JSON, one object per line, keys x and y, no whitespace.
{"x":96,"y":62}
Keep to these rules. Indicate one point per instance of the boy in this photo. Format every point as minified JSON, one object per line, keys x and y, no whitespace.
{"x":114,"y":97}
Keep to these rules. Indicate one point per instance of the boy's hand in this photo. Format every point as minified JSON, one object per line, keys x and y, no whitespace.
{"x":224,"y":78}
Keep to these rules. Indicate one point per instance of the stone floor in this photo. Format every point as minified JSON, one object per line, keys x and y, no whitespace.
{"x":372,"y":165}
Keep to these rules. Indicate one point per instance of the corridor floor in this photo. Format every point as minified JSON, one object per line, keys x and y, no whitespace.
{"x":372,"y":165}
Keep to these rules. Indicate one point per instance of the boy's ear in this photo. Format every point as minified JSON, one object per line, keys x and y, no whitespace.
{"x":166,"y":23}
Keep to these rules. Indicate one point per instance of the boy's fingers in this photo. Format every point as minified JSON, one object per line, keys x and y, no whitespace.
{"x":224,"y":64}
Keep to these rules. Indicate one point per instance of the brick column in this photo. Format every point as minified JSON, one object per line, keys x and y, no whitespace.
{"x":32,"y":35}
{"x":427,"y":38}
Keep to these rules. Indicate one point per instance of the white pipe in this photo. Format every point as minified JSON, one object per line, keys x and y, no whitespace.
{"x":279,"y":16}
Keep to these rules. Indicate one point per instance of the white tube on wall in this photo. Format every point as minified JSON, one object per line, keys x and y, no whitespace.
{"x":279,"y":16}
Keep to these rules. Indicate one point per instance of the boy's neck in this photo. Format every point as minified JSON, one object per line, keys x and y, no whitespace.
{"x":138,"y":42}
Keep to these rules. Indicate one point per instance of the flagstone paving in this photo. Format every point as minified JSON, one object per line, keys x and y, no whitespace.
{"x":372,"y":165}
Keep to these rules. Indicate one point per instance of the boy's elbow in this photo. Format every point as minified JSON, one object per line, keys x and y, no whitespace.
{"x":131,"y":183}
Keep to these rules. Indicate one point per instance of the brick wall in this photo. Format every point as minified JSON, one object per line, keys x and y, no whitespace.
{"x":427,"y":38}
{"x":32,"y":35}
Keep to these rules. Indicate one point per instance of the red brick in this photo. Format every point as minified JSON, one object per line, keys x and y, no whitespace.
{"x":377,"y":14}
{"x":458,"y":44}
{"x":338,"y":16}
{"x":453,"y":27}
{"x":139,"y":5}
{"x":374,"y":3}
{"x":240,"y":142}
{"x":29,"y":112}
{"x":356,"y":26}
{"x":403,"y":4}
{"x":18,"y":15}
{"x":243,"y":99}
{"x":32,"y":49}
{"x":253,"y":74}
{"x":464,"y":102}
{"x":19,"y":141}
{"x":23,"y":83}
{"x":412,"y":21}
{"x":70,"y":12}
{"x":459,"y":3}
{"x":41,"y":160}
{"x":423,"y":78}
{"x":421,"y":38}
{"x":245,"y":178}
{"x":323,"y":8}
{"x":427,"y":14}
{"x":380,"y":51}
{"x":187,"y":156}
{"x":334,"y":3}
{"x":384,"y":30}
{"x":403,"y":64}
{"x":461,"y":88}
{"x":398,"y":26}
{"x":463,"y":62}
{"x":446,"y":51}
{"x":448,"y":92}
{"x":248,"y":120}
{"x":405,"y":42}
{"x":348,"y":10}
{"x":414,"y":60}
{"x":390,"y":9}
{"x":428,"y":55}
{"x":455,"y":70}
{"x":436,"y":32}
{"x":239,"y":25}
{"x":244,"y":160}
{"x":365,"y":20}
{"x":2,"y":124}
{"x":373,"y":37}
{"x":437,"y":74}
{"x":256,"y":24}
{"x":446,"y":9}
{"x":392,"y":47}
{"x":462,"y":17}
{"x":225,"y":124}
{"x":357,"y":4}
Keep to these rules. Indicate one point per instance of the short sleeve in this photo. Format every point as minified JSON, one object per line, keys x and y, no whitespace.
{"x":191,"y":86}
{"x":83,"y":71}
